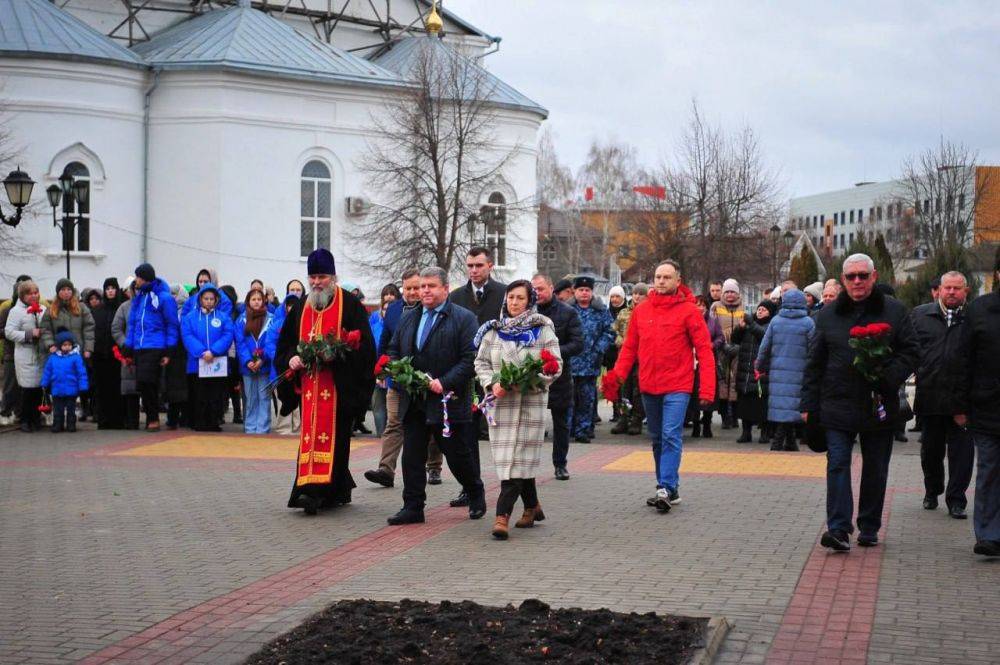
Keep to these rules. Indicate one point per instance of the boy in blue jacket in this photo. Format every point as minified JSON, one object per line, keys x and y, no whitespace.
{"x":65,"y":377}
{"x":207,"y":334}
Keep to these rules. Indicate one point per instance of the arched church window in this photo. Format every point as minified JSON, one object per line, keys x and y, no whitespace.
{"x":494,"y":216}
{"x":76,"y":236}
{"x":314,"y":214}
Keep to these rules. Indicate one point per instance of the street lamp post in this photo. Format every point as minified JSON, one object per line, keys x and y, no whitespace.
{"x":71,"y":192}
{"x":775,"y":234}
{"x":18,"y":186}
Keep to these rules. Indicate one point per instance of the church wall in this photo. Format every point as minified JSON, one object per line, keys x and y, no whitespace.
{"x":58,"y":112}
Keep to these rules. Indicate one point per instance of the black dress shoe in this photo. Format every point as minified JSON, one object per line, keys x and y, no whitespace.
{"x":836,"y":541}
{"x":308,"y":504}
{"x":930,"y":502}
{"x":987,"y":547}
{"x":407,"y":516}
{"x":25,"y":427}
{"x":433,"y":477}
{"x":581,"y":439}
{"x":562,"y":473}
{"x":460,"y":500}
{"x":867,"y":540}
{"x":957,"y":512}
{"x":379,"y":477}
{"x":477,"y":509}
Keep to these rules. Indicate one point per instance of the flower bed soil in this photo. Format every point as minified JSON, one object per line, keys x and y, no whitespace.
{"x":367,"y":631}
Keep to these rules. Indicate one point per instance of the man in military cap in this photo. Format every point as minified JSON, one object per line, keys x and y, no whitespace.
{"x":598,"y":335}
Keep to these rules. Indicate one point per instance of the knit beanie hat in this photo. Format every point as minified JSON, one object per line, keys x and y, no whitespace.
{"x":146,"y":272}
{"x":64,"y":336}
{"x":320,"y":262}
{"x":616,"y":291}
{"x":64,"y":283}
{"x":730,"y":285}
{"x":815,"y":290}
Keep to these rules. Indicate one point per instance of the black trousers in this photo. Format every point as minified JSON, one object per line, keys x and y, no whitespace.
{"x":940,"y":436}
{"x":108,"y":393}
{"x":560,"y":436}
{"x":456,"y":449}
{"x":63,"y":413}
{"x":510,"y":490}
{"x":210,"y":396}
{"x":31,"y":399}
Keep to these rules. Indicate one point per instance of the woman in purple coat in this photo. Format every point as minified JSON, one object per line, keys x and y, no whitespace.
{"x":702,"y":416}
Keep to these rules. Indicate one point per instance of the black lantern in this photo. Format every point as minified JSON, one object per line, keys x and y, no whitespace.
{"x":775,"y":232}
{"x":54,"y":192}
{"x":66,"y":184}
{"x":18,"y":187}
{"x":81,"y":190}
{"x":789,"y":239}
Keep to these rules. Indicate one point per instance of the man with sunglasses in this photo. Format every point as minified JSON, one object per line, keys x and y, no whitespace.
{"x":845,"y":403}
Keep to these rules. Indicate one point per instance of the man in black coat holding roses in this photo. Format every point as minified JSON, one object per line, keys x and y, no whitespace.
{"x":847,"y":404}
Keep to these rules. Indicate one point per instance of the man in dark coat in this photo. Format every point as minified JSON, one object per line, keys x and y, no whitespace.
{"x":978,"y":395}
{"x":438,"y":337}
{"x":483,"y":296}
{"x":835,"y":392}
{"x":333,"y":395}
{"x":938,"y":326}
{"x":570,"y":335}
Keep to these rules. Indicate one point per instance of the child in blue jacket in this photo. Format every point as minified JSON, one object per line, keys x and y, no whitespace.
{"x":255,"y":348}
{"x":65,"y":377}
{"x":207,"y":333}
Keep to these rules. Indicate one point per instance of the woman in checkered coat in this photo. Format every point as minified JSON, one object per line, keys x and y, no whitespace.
{"x":517,"y":420}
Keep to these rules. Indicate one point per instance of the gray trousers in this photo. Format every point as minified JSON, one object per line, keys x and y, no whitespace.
{"x":986,"y":513}
{"x":11,"y":396}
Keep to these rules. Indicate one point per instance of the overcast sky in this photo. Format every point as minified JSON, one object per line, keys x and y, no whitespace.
{"x":837,"y":92}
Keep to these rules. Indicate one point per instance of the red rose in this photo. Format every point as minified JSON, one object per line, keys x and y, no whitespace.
{"x":353,"y":339}
{"x":859,"y":331}
{"x":547,"y":356}
{"x":258,"y":353}
{"x":382,"y":362}
{"x":550,"y":367}
{"x":44,"y":408}
{"x":880,"y":328}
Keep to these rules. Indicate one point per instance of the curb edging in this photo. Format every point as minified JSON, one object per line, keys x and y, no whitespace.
{"x":714,"y":635}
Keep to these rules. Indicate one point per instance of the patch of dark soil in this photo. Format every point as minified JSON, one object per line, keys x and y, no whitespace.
{"x":367,"y":631}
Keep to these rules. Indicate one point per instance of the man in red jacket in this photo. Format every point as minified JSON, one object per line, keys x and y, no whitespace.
{"x":661,"y":335}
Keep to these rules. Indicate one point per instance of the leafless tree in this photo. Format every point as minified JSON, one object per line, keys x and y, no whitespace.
{"x":945,"y":188}
{"x":731,"y":195}
{"x":13,"y":246}
{"x":553,"y":180}
{"x":433,"y":155}
{"x":611,"y":169}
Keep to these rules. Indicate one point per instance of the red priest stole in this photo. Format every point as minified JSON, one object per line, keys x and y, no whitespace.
{"x":319,"y":399}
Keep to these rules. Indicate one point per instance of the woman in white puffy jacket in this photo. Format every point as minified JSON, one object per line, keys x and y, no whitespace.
{"x":24,"y":331}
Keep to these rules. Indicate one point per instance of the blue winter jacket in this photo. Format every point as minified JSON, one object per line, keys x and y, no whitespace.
{"x":246,"y":345}
{"x":206,"y":332}
{"x":375,"y":323}
{"x":65,"y":375}
{"x":152,"y":320}
{"x":597,"y":337}
{"x":225,"y":305}
{"x":783,"y":354}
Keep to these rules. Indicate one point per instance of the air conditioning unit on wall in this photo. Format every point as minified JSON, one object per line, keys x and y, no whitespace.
{"x":357,"y":205}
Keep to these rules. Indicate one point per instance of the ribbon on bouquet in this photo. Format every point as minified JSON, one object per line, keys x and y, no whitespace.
{"x":446,"y":431}
{"x":486,"y":408}
{"x":627,"y":404}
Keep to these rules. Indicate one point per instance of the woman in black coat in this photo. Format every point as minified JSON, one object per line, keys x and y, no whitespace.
{"x":751,"y":405}
{"x":107,"y":386}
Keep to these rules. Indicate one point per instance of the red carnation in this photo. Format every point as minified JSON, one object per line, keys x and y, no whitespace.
{"x":382,"y":362}
{"x":547,"y":356}
{"x":550,"y":367}
{"x":44,"y":408}
{"x":353,"y":339}
{"x":35,"y":308}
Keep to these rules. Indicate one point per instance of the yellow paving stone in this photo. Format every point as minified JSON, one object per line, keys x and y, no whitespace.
{"x":227,"y":447}
{"x":732,"y":464}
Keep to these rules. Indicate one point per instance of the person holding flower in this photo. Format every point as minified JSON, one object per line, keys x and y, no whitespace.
{"x":255,"y":354}
{"x":24,"y":331}
{"x":520,"y":339}
{"x":865,"y":348}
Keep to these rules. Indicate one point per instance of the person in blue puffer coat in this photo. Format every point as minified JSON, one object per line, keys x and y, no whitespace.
{"x":152,"y":330}
{"x":783,"y":354}
{"x":255,"y":349}
{"x":207,"y":334}
{"x":65,"y":377}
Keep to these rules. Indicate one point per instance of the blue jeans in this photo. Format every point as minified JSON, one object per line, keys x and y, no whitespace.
{"x":665,"y":422}
{"x":876,"y":451}
{"x":986,"y":512}
{"x":379,"y":410}
{"x":257,"y":412}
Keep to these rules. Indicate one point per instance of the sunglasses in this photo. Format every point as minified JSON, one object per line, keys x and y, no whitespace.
{"x":857,"y":276}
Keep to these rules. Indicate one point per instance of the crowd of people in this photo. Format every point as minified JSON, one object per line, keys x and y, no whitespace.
{"x":792,"y":367}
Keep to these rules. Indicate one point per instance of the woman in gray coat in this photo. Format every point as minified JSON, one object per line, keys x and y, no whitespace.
{"x":518,"y":419}
{"x":130,"y":391}
{"x":66,"y":311}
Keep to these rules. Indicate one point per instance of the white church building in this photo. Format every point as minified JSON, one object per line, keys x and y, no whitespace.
{"x":224,"y":134}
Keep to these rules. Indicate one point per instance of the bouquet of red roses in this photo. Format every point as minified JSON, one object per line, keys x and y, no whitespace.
{"x":871,"y":352}
{"x":403,"y":373}
{"x":328,"y":348}
{"x":526,"y":376}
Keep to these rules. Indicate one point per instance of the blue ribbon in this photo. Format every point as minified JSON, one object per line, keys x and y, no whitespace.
{"x":486,"y":408}
{"x":446,"y":432}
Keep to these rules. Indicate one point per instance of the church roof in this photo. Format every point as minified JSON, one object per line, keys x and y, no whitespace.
{"x":37,"y":28}
{"x":402,"y":57}
{"x":244,"y":39}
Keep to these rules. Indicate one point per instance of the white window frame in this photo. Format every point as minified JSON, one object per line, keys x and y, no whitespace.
{"x":315,"y":220}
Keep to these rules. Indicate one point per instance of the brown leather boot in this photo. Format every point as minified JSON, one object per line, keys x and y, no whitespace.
{"x":530,"y":516}
{"x":500,"y":531}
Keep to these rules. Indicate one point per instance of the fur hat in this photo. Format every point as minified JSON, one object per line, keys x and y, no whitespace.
{"x":562,"y":285}
{"x":730,"y":285}
{"x":583,"y":282}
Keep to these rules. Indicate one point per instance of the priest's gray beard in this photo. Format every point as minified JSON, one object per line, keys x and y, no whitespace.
{"x":319,"y":299}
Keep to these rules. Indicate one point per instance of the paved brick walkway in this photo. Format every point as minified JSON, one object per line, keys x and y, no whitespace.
{"x":124,"y":547}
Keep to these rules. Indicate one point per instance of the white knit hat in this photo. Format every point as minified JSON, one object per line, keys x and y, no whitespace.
{"x":616,"y":291}
{"x":815,"y":290}
{"x":730,"y":285}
